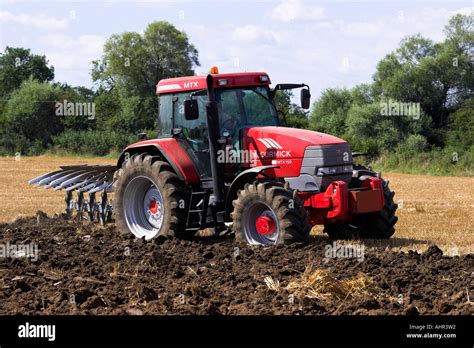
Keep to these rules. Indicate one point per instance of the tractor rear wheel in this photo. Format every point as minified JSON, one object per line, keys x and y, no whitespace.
{"x":378,"y":225}
{"x":149,"y":199}
{"x":269,"y":212}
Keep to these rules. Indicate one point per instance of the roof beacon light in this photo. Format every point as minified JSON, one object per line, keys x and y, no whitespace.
{"x":214,"y":70}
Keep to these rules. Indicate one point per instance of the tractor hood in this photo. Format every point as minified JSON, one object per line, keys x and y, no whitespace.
{"x":286,"y":139}
{"x":292,"y":150}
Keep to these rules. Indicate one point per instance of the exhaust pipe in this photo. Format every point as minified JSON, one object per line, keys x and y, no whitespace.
{"x":213,"y":124}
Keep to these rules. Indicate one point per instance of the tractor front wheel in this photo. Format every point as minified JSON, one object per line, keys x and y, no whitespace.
{"x":269,"y":212}
{"x":149,"y":199}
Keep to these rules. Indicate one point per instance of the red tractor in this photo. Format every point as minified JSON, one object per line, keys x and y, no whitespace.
{"x":223,"y":159}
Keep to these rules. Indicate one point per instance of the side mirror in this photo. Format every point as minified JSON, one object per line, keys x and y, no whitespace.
{"x":191,"y":109}
{"x":305,"y":98}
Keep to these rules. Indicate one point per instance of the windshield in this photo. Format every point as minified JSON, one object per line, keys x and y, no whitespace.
{"x":242,"y":107}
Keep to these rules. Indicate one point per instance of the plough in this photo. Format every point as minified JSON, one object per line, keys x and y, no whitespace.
{"x":82,"y":184}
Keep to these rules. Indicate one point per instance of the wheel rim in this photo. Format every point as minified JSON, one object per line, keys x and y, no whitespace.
{"x":143,"y":207}
{"x":260,"y":224}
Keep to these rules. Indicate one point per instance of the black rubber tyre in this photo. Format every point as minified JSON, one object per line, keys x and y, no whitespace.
{"x":282,"y":202}
{"x":379,"y":225}
{"x":171,"y":190}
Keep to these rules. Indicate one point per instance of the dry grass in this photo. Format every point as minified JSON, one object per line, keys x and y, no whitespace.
{"x":52,"y":273}
{"x":432,"y":209}
{"x":319,"y":284}
{"x":272,"y":284}
{"x":17,"y":198}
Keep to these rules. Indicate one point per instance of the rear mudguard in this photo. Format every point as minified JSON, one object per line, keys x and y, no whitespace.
{"x":171,"y":151}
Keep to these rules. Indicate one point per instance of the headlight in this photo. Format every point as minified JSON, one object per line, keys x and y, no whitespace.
{"x":334,"y":170}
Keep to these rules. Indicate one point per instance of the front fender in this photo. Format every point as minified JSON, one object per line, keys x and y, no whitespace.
{"x":240,"y":180}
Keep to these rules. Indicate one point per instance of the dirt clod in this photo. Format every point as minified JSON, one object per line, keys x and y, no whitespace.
{"x":433,"y":251}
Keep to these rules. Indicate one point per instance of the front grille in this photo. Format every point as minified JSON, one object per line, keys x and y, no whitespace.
{"x":324,"y":156}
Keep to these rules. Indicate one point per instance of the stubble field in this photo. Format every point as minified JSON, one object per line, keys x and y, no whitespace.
{"x":84,"y":268}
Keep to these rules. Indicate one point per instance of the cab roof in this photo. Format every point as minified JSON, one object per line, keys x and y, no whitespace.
{"x":228,"y":80}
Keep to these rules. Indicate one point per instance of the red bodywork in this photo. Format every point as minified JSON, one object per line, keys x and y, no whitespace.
{"x":286,"y":148}
{"x":175,"y":154}
{"x":338,"y":203}
{"x":192,"y":83}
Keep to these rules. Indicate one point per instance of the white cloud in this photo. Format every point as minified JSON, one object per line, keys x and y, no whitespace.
{"x":333,"y":51}
{"x":84,"y":44}
{"x":295,"y":10}
{"x":362,"y":28}
{"x":467,"y":11}
{"x":338,"y":47}
{"x":71,"y":56}
{"x":38,"y":21}
{"x":253,"y":34}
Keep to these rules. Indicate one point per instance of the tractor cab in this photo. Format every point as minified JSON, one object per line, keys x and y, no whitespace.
{"x":242,"y":100}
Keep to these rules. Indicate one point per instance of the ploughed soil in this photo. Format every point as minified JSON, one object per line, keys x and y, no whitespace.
{"x":84,"y":268}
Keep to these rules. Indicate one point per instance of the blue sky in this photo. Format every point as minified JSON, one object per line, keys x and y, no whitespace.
{"x":323,"y":43}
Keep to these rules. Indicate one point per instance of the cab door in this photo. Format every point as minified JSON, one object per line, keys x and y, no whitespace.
{"x":194,"y":136}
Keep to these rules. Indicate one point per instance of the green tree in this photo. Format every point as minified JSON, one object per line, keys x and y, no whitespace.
{"x":81,"y":95}
{"x":134,"y":63}
{"x":406,"y":76}
{"x":330,"y":111}
{"x":296,"y":117}
{"x":369,"y":129}
{"x":363,"y":94}
{"x":438,"y":76}
{"x":30,"y":120}
{"x":461,"y":126}
{"x":108,"y":109}
{"x":458,"y":49}
{"x":18,"y":65}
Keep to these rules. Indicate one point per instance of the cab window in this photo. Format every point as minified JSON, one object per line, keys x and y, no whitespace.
{"x":165,"y":115}
{"x":195,"y":131}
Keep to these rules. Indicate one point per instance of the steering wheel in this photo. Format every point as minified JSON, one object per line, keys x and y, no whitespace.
{"x":234,"y":127}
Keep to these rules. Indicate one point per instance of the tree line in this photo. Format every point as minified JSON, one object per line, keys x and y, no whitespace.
{"x":419,"y":101}
{"x":419,"y":107}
